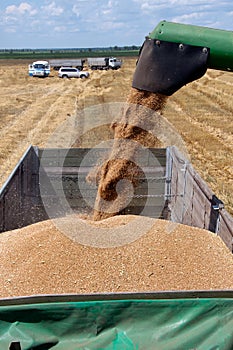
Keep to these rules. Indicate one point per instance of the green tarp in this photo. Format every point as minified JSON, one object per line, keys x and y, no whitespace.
{"x":175,"y":322}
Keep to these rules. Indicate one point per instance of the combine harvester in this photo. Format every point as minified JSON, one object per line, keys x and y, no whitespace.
{"x":171,"y":56}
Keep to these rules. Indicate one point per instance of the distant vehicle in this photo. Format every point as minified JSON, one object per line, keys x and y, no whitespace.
{"x":56,"y":64}
{"x":39,"y":69}
{"x":104,"y":63}
{"x":69,"y":72}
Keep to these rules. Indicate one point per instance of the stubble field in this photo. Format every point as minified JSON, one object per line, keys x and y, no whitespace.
{"x":31,"y":109}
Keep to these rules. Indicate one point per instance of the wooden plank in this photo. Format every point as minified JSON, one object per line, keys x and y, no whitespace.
{"x":156,"y":172}
{"x":187,"y":198}
{"x":176,"y":200}
{"x":200,"y":207}
{"x":72,"y":157}
{"x":91,"y":157}
{"x":226,"y":228}
{"x":202,"y":184}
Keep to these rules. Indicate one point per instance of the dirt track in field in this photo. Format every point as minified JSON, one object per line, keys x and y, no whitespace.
{"x":202,"y":112}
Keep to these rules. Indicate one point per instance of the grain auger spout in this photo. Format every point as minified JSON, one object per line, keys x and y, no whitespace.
{"x":176,"y":54}
{"x":172,"y":56}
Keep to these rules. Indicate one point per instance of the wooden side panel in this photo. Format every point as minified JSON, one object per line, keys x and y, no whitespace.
{"x":226,"y":228}
{"x":196,"y":206}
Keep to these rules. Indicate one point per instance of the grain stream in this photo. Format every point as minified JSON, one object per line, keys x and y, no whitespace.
{"x":134,"y":125}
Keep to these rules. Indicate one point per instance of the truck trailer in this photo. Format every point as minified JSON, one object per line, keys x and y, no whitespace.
{"x":104,"y":63}
{"x":171,"y":57}
{"x":56,"y":64}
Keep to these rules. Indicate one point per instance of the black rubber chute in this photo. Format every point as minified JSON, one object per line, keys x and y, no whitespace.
{"x":15,"y":345}
{"x":164,"y":67}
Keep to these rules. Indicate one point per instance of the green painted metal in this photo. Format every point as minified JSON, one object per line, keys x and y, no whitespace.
{"x":161,"y":322}
{"x":220,"y":42}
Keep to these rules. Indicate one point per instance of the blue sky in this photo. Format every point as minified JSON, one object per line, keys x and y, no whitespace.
{"x":90,"y":23}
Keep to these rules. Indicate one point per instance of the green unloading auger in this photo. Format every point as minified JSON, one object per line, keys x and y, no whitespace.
{"x":175,"y":54}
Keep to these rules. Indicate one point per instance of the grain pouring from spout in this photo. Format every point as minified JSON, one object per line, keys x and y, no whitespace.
{"x":172,"y":56}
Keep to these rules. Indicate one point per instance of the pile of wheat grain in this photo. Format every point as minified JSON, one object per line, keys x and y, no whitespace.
{"x":39,"y":259}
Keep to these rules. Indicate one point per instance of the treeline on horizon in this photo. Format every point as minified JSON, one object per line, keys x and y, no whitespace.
{"x":69,"y":52}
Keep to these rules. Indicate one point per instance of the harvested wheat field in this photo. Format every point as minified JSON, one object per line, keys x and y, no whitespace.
{"x":39,"y":259}
{"x":32,"y":108}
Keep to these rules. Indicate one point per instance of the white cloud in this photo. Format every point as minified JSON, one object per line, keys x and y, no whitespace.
{"x":151,"y":5}
{"x":187,"y":18}
{"x":60,"y":29}
{"x":76,"y":10}
{"x":52,"y":9}
{"x":23,"y":8}
{"x":102,"y":22}
{"x":108,"y":26}
{"x":192,"y":2}
{"x":112,"y":4}
{"x":174,"y":5}
{"x":107,"y":12}
{"x":74,"y":30}
{"x":10,"y":29}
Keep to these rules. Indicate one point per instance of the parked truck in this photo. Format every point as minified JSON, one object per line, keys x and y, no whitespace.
{"x":56,"y":64}
{"x":39,"y":69}
{"x":104,"y":63}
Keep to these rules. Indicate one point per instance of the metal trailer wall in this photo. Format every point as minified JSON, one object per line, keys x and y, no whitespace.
{"x":42,"y":178}
{"x":171,"y":189}
{"x":67,"y":169}
{"x":20,"y":202}
{"x":191,"y":201}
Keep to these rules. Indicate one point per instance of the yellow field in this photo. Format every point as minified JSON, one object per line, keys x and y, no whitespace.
{"x":202,"y":112}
